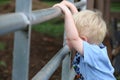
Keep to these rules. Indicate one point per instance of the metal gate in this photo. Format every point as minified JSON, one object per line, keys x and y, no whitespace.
{"x":21,"y":22}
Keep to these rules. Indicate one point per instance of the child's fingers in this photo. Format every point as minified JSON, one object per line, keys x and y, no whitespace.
{"x":64,"y":8}
{"x":56,"y":5}
{"x":70,"y":6}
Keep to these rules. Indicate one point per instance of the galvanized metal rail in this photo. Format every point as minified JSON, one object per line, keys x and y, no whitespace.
{"x":19,"y":20}
{"x":46,"y":72}
{"x":21,"y":23}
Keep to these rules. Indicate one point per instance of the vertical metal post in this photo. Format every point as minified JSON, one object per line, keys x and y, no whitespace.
{"x":85,"y":6}
{"x":66,"y":67}
{"x":72,"y":74}
{"x":22,"y":44}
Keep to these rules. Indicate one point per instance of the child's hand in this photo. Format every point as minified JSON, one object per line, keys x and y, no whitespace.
{"x":66,"y":5}
{"x":65,"y":10}
{"x":71,"y":6}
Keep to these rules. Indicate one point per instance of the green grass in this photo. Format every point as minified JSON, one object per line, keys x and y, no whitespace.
{"x":52,"y":27}
{"x":3,"y":63}
{"x":2,"y":46}
{"x":50,"y":3}
{"x":118,"y":77}
{"x":2,"y":2}
{"x":115,"y":7}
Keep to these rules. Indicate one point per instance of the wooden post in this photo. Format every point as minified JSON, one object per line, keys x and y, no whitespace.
{"x":90,"y":4}
{"x":101,"y":5}
{"x":107,"y":11}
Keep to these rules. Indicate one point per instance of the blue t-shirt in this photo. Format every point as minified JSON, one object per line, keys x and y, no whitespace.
{"x":94,"y":64}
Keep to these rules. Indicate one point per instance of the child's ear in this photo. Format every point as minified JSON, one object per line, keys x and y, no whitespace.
{"x":84,"y":38}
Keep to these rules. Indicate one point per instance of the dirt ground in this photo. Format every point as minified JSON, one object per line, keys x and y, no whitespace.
{"x":43,"y":48}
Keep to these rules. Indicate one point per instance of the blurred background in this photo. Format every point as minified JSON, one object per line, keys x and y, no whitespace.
{"x":47,"y":39}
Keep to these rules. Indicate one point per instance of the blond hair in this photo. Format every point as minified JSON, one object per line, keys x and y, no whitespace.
{"x":91,"y":25}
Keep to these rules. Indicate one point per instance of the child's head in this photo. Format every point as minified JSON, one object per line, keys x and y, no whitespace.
{"x":91,"y":25}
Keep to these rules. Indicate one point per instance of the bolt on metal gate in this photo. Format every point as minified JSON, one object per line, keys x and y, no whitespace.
{"x":21,"y":22}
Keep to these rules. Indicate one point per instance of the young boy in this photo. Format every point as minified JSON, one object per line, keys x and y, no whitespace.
{"x":85,"y":32}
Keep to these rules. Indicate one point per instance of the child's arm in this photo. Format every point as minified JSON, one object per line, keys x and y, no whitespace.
{"x":71,"y":32}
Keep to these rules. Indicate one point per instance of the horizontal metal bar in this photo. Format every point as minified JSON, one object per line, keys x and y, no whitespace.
{"x":12,"y":22}
{"x":16,"y":21}
{"x":46,"y":72}
{"x":81,"y":3}
{"x":40,"y":16}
